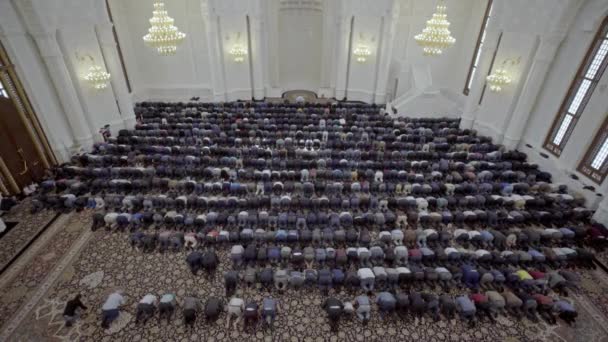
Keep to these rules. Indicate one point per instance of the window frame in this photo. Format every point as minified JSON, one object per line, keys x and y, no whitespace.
{"x":120,"y":55}
{"x":3,"y":92}
{"x":3,"y":89}
{"x":473,"y":67}
{"x":579,"y":78}
{"x":584,"y":167}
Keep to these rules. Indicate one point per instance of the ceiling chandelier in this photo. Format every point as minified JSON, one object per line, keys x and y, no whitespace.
{"x":163,"y":35}
{"x":97,"y":77}
{"x":238,"y":52}
{"x":498,"y":79}
{"x":436,"y":35}
{"x":501,"y":77}
{"x":362,"y":52}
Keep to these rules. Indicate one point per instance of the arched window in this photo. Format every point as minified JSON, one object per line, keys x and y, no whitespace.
{"x":595,"y":163}
{"x":581,"y":89}
{"x":480,"y":41}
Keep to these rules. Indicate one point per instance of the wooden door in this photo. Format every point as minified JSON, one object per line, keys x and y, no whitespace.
{"x":17,"y":149}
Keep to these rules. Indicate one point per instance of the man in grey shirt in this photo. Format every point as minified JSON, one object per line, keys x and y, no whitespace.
{"x":386,"y":303}
{"x":363,"y":307}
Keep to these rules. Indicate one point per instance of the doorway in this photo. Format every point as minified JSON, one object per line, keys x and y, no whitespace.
{"x":24,"y":150}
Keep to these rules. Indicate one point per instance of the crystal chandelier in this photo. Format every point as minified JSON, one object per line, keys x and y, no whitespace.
{"x":362,"y":52}
{"x":238,"y":52}
{"x":97,"y":77}
{"x":498,"y":79}
{"x":163,"y":35}
{"x":436,"y":35}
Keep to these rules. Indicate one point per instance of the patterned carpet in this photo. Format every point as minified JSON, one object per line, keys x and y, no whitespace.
{"x":26,"y":276}
{"x":96,"y":263}
{"x":19,"y":236}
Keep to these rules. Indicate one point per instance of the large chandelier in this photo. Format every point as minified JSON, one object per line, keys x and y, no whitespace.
{"x":436,"y":35}
{"x":498,"y":79}
{"x":97,"y":77}
{"x":163,"y":35}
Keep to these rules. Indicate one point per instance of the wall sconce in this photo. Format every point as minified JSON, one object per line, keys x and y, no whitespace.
{"x":361,"y":53}
{"x":500,"y":77}
{"x":238,"y":52}
{"x":97,"y":77}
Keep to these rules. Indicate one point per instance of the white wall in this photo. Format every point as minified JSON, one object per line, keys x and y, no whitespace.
{"x":180,"y":76}
{"x":551,"y":38}
{"x":100,"y":108}
{"x":32,"y":73}
{"x":238,"y":75}
{"x":424,"y":81}
{"x":563,"y":70}
{"x":302,"y":45}
{"x":300,"y":52}
{"x":363,"y":76}
{"x":497,"y":107}
{"x":52,"y":44}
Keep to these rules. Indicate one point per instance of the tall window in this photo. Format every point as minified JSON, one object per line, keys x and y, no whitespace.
{"x":595,"y":163}
{"x":581,"y":89}
{"x":3,"y":70}
{"x":3,"y":92}
{"x":480,"y":40}
{"x":122,"y":60}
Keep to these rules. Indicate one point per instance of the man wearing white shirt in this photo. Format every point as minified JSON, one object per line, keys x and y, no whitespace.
{"x":236,"y":306}
{"x":366,"y":279}
{"x":452,"y":253}
{"x":146,"y":308}
{"x":110,"y":309}
{"x":110,"y":219}
{"x":363,"y":255}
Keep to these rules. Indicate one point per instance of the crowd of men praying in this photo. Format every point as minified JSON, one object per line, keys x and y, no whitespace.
{"x":415,"y":216}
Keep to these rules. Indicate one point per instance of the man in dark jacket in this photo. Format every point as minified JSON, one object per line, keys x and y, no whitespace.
{"x":213,"y":308}
{"x":194,"y":261}
{"x":334,"y":307}
{"x":231,"y":279}
{"x":70,"y":313}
